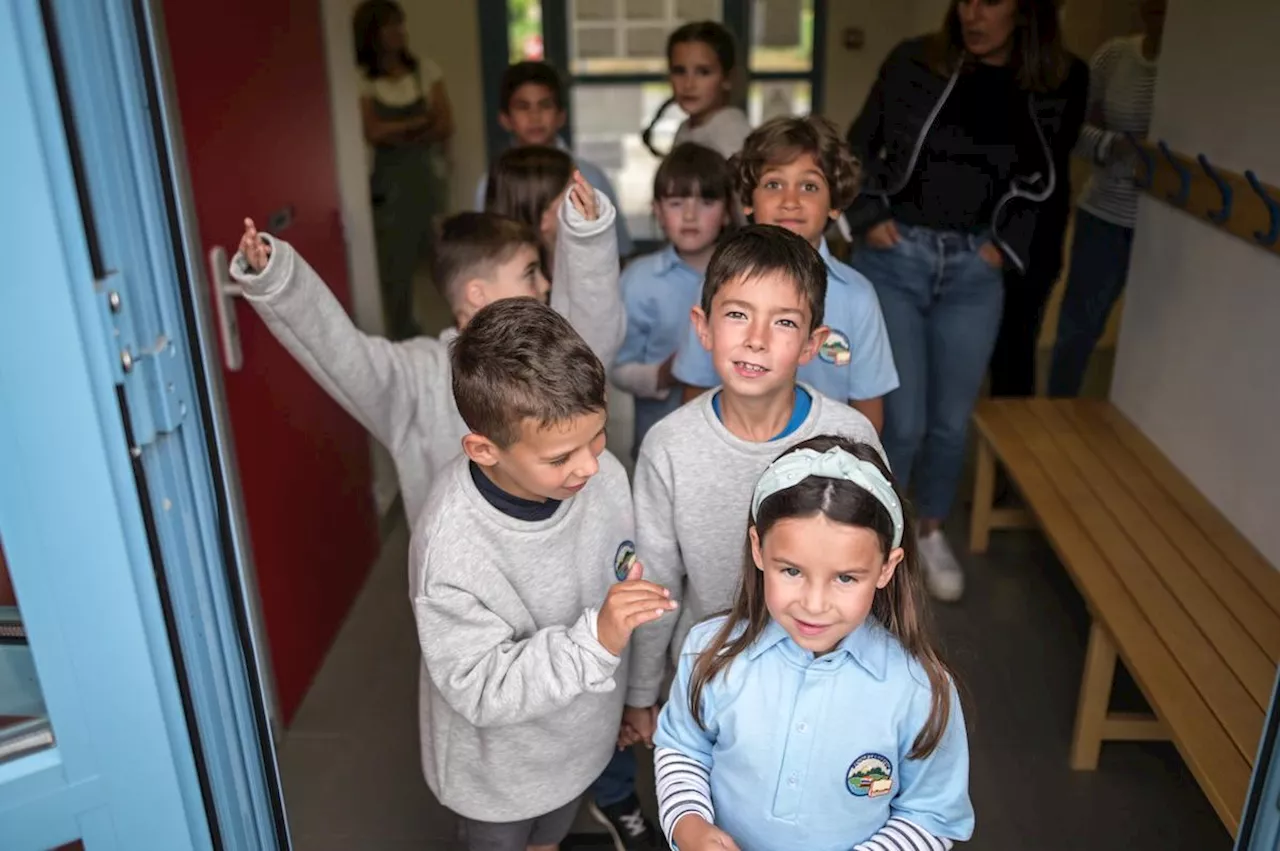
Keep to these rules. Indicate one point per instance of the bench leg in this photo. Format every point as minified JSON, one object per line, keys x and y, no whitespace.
{"x":984,"y":494}
{"x":1095,"y":694}
{"x":1094,"y":725}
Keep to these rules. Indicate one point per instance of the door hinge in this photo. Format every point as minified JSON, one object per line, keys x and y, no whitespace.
{"x":149,"y":370}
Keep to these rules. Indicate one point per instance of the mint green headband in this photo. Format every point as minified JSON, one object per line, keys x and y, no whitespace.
{"x":793,"y":468}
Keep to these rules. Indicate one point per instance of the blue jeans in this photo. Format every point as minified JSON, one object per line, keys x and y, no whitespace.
{"x":1099,"y":267}
{"x":618,"y":781}
{"x":941,"y":303}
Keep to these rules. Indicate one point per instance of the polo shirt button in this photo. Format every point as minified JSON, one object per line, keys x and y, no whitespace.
{"x":791,"y":781}
{"x":801,"y":727}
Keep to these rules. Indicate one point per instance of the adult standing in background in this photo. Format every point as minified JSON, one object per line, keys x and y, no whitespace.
{"x":1013,"y":363}
{"x":1121,"y":92}
{"x":957,"y":141}
{"x":407,"y":118}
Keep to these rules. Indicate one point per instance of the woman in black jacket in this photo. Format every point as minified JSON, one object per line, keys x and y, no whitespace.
{"x":956,"y":139}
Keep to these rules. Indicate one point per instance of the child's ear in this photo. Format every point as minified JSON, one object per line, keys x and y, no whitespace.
{"x":480,"y":449}
{"x":834,"y":213}
{"x":747,"y":210}
{"x":561,"y":117}
{"x":814,"y":343}
{"x":475,"y":293}
{"x":756,"y":554}
{"x":701,"y":326}
{"x":505,"y":120}
{"x":890,"y":566}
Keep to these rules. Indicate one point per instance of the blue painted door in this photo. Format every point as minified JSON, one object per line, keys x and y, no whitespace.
{"x":131,"y":710}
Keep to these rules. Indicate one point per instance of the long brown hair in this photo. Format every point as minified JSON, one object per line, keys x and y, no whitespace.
{"x":1039,"y":58}
{"x":899,"y":607}
{"x":525,"y":181}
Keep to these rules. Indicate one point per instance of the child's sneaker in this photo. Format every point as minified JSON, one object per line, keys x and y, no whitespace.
{"x":626,"y":824}
{"x":943,"y":575}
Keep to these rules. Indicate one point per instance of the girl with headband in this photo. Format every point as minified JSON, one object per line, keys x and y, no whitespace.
{"x":817,"y":714}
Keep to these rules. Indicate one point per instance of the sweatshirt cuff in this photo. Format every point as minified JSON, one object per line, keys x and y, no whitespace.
{"x":578,"y":226}
{"x":600,"y":665}
{"x":640,"y":380}
{"x":260,"y":286}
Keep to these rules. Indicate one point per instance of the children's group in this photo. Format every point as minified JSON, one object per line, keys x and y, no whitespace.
{"x":748,"y":608}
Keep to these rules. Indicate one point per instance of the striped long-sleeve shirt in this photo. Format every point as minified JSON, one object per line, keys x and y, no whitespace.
{"x":1122,"y":84}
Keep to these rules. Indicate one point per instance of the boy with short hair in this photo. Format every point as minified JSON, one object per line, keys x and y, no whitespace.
{"x":533,"y":111}
{"x":797,"y":173}
{"x":401,"y":392}
{"x":520,"y":541}
{"x":760,"y":320}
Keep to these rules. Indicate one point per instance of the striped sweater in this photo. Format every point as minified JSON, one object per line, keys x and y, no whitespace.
{"x":1122,"y":84}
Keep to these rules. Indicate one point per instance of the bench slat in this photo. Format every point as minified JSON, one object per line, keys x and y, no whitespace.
{"x":1225,"y":695}
{"x":1240,"y":597}
{"x":1233,"y":647}
{"x":1213,"y":758}
{"x":1235,"y":548}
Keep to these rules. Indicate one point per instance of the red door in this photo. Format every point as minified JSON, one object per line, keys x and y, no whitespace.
{"x":253,"y":96}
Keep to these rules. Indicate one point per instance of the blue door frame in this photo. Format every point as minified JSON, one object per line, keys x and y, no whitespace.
{"x":112,"y":509}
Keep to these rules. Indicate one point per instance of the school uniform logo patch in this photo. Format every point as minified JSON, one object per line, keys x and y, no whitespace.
{"x":835,"y":349}
{"x":870,"y":776}
{"x":622,"y":561}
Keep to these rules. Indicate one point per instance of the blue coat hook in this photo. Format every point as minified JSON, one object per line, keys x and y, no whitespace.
{"x":1145,"y":181}
{"x":1220,"y":215}
{"x":1184,"y":187}
{"x":1267,"y":238}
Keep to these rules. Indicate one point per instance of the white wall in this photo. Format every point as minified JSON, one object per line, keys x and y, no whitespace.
{"x":353,"y":192}
{"x":1199,"y":351}
{"x":850,"y":73}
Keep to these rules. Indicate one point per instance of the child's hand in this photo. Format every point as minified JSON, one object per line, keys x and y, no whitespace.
{"x":643,"y":723}
{"x":693,"y":833}
{"x":631,"y":603}
{"x":583,"y":197}
{"x":256,"y":251}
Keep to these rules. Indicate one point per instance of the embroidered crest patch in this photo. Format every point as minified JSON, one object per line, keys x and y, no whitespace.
{"x":625,"y":557}
{"x":870,"y":776}
{"x":835,"y":349}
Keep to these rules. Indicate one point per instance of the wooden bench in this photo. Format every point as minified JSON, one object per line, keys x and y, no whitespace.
{"x":1174,"y":590}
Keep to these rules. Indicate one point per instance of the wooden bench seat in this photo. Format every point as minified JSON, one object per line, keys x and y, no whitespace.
{"x":1174,"y":590}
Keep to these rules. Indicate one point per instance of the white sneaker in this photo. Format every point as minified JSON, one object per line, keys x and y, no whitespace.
{"x":943,"y":575}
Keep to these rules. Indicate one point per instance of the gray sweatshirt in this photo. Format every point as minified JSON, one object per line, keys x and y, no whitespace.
{"x":519,"y":709}
{"x":403,"y":392}
{"x":693,"y":486}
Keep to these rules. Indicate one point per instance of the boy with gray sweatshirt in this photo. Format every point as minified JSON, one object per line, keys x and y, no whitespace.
{"x":525,"y":587}
{"x":400,"y":392}
{"x":761,"y":319}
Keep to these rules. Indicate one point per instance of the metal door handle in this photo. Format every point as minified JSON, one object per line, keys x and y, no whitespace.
{"x":225,"y":290}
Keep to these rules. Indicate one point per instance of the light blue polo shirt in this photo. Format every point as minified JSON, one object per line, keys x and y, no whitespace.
{"x":597,"y":178}
{"x":854,"y":364}
{"x":658,"y":291}
{"x":811,"y":753}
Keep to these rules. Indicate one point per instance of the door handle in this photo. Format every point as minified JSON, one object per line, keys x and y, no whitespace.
{"x":225,"y":291}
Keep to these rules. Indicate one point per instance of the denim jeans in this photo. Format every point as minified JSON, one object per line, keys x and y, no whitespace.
{"x":618,"y":781}
{"x":941,"y":303}
{"x":1099,"y":267}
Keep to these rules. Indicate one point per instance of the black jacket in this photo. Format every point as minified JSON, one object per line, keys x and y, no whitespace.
{"x":901,"y":109}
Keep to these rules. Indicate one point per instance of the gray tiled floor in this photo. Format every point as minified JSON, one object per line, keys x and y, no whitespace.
{"x":352,"y":778}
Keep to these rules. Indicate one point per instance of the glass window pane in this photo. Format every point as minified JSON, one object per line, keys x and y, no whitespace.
{"x":24,"y":722}
{"x":524,"y":29}
{"x":781,"y":35}
{"x":628,"y":36}
{"x":607,"y":123}
{"x":770,"y":99}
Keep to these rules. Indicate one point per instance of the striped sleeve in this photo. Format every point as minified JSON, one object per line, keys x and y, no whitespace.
{"x":899,"y":834}
{"x":684,"y":788}
{"x":1095,"y":139}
